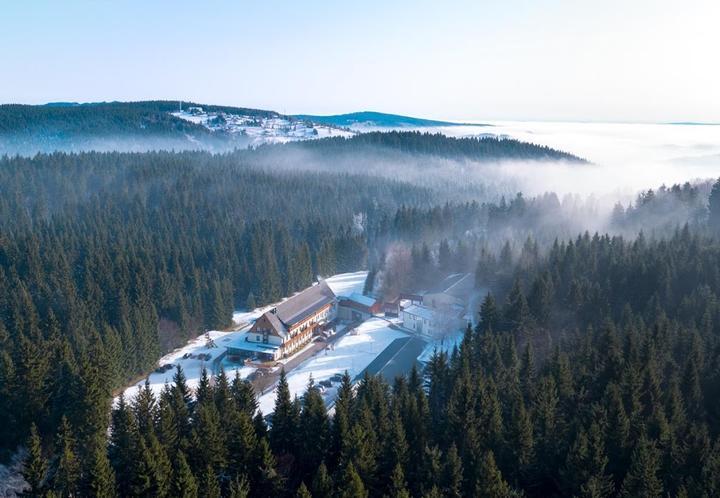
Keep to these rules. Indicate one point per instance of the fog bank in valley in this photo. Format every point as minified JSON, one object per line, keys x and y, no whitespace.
{"x":627,"y":158}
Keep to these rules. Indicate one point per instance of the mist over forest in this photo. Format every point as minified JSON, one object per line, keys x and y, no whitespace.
{"x":589,"y":366}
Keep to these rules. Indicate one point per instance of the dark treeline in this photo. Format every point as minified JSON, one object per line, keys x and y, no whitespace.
{"x":597,"y":376}
{"x":433,"y":144}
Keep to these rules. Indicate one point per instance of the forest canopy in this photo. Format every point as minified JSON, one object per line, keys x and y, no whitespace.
{"x":592,"y":371}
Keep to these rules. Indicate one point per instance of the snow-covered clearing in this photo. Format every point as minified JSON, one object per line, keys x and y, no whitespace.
{"x":342,"y":284}
{"x":261,"y":130}
{"x":188,"y":358}
{"x":353,"y":353}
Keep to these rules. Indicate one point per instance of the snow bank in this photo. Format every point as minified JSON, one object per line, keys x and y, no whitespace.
{"x":352,"y":352}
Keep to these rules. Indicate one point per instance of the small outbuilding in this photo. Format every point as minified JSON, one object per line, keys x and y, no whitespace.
{"x":420,"y":319}
{"x":357,"y":307}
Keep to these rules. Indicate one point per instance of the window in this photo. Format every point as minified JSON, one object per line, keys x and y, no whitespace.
{"x":258,"y":338}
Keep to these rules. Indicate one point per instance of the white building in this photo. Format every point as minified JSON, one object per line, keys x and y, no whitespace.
{"x":420,"y":319}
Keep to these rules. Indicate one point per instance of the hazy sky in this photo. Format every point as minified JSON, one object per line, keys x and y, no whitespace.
{"x":609,"y":60}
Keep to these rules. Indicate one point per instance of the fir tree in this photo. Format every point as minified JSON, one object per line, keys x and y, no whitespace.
{"x":714,"y":208}
{"x":490,"y":482}
{"x":265,"y":481}
{"x":67,"y":473}
{"x":183,"y":483}
{"x":398,"y":488}
{"x":239,"y":488}
{"x":241,"y":443}
{"x":209,"y":485}
{"x":122,"y":444}
{"x":489,"y":314}
{"x":517,"y":312}
{"x":314,"y":429}
{"x":35,"y":466}
{"x":322,"y":485}
{"x":102,"y":477}
{"x":208,"y":438}
{"x":351,"y":485}
{"x":284,"y":431}
{"x":303,"y":491}
{"x":341,"y":420}
{"x":243,"y":395}
{"x":641,"y":480}
{"x":452,"y":478}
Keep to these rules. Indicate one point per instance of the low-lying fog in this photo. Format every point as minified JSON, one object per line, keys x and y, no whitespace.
{"x":626,"y":157}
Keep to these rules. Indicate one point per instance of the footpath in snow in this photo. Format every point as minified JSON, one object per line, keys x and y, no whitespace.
{"x":195,"y":354}
{"x":352,"y":352}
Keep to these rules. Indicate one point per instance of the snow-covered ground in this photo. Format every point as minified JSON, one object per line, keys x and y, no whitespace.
{"x":445,"y":343}
{"x":258,"y":129}
{"x":352,"y":352}
{"x":12,"y":482}
{"x":342,"y":284}
{"x":192,"y":365}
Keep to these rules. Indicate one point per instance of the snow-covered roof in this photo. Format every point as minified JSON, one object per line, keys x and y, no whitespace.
{"x":304,"y":304}
{"x":256,"y":347}
{"x":289,"y":313}
{"x":420,"y":311}
{"x":364,"y":300}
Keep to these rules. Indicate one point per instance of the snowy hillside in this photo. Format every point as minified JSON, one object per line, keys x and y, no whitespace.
{"x":260,"y":129}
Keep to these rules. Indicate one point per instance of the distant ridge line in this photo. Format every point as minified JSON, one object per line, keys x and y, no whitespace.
{"x":379,"y":119}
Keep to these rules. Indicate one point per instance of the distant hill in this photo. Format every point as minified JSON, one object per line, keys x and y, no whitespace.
{"x":694,"y":123}
{"x":416,"y":143}
{"x":124,"y":126}
{"x":374,"y":119}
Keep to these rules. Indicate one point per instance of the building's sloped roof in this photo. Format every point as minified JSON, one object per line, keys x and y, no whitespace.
{"x":276,"y":324}
{"x":364,"y":300}
{"x":304,"y":304}
{"x":421,"y":311}
{"x":299,"y":307}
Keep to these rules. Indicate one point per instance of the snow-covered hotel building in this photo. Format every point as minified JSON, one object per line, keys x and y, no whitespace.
{"x":288,"y":327}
